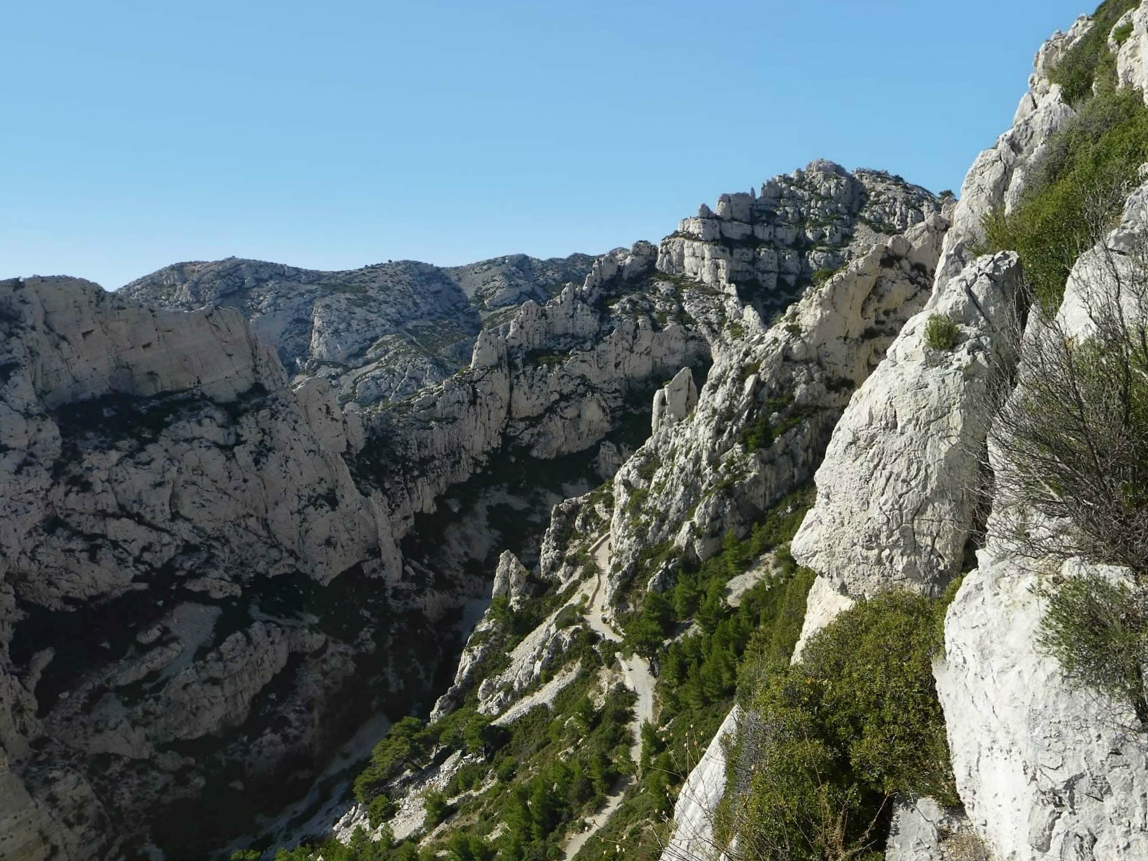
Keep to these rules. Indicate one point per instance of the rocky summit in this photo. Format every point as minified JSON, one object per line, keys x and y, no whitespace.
{"x":811,"y":532}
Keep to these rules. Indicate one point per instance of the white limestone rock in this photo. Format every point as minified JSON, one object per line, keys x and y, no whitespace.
{"x":141,"y":451}
{"x":673,"y":401}
{"x":699,"y":477}
{"x":378,"y":333}
{"x":812,"y":220}
{"x":924,"y":831}
{"x":1045,"y":770}
{"x":538,"y":650}
{"x":1131,"y":56}
{"x":897,"y":490}
{"x":823,"y":604}
{"x":554,"y":380}
{"x":510,"y":579}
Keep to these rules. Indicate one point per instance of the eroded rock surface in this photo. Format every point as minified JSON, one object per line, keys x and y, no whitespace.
{"x":158,"y":478}
{"x":1045,"y":769}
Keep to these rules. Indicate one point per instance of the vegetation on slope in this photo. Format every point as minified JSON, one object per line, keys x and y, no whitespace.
{"x":1086,"y":171}
{"x":827,"y":743}
{"x":1071,"y":446}
{"x":1077,"y":188}
{"x":1090,"y":64}
{"x":713,"y":647}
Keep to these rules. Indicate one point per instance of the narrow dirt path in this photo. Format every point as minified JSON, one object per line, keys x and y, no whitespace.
{"x":638,"y":678}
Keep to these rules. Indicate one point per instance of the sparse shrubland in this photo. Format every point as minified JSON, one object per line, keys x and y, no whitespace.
{"x":1070,"y":450}
{"x":699,"y":673}
{"x":1090,"y":65}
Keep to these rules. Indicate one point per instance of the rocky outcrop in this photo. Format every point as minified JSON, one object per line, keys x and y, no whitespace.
{"x":769,"y":403}
{"x":924,"y":831}
{"x":898,"y":490}
{"x":897,"y":494}
{"x":554,"y":380}
{"x":535,"y":653}
{"x":1028,"y":746}
{"x":1131,"y":59}
{"x":673,"y":402}
{"x":1045,"y":770}
{"x":813,"y":220}
{"x":823,"y":604}
{"x":203,"y":445}
{"x":510,"y":580}
{"x":1000,"y":174}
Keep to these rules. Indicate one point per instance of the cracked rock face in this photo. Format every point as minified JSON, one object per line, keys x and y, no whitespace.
{"x":924,"y":831}
{"x":157,"y":476}
{"x":895,"y":498}
{"x":897,"y":491}
{"x":769,"y":403}
{"x":813,"y":220}
{"x":554,"y":380}
{"x":1046,"y":770}
{"x":1000,"y":173}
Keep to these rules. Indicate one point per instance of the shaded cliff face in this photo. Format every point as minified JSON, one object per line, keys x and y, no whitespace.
{"x":376,"y":333}
{"x":180,"y":530}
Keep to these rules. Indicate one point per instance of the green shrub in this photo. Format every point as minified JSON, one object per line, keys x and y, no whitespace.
{"x":507,"y":768}
{"x":379,"y":810}
{"x":823,"y":275}
{"x":941,"y":333}
{"x":837,"y":735}
{"x":1073,"y":439}
{"x":948,"y":192}
{"x":1098,"y":632}
{"x":647,"y":633}
{"x":1090,"y":63}
{"x":1078,"y":186}
{"x":567,"y":616}
{"x":436,"y":806}
{"x":757,"y":435}
{"x":469,"y":847}
{"x":1120,"y":34}
{"x":403,"y":745}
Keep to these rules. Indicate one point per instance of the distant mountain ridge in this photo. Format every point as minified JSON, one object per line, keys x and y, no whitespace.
{"x":380,"y":332}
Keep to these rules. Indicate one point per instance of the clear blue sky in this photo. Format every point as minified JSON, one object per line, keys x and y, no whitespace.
{"x":340,"y":133}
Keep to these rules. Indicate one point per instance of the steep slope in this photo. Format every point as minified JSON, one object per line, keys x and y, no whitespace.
{"x":858,"y":252}
{"x":212,"y":574}
{"x":162,"y":485}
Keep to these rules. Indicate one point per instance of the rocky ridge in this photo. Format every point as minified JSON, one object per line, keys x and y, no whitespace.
{"x":1043,"y":770}
{"x":789,"y":324}
{"x":772,"y":396}
{"x":163,"y":464}
{"x":378,"y":333}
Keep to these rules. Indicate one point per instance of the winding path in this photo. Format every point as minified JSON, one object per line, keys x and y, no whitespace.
{"x":638,"y":678}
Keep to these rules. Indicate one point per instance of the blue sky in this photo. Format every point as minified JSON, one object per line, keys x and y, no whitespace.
{"x":336,"y":134}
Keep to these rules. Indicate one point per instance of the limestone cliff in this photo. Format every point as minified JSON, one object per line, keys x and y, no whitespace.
{"x":160,"y":479}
